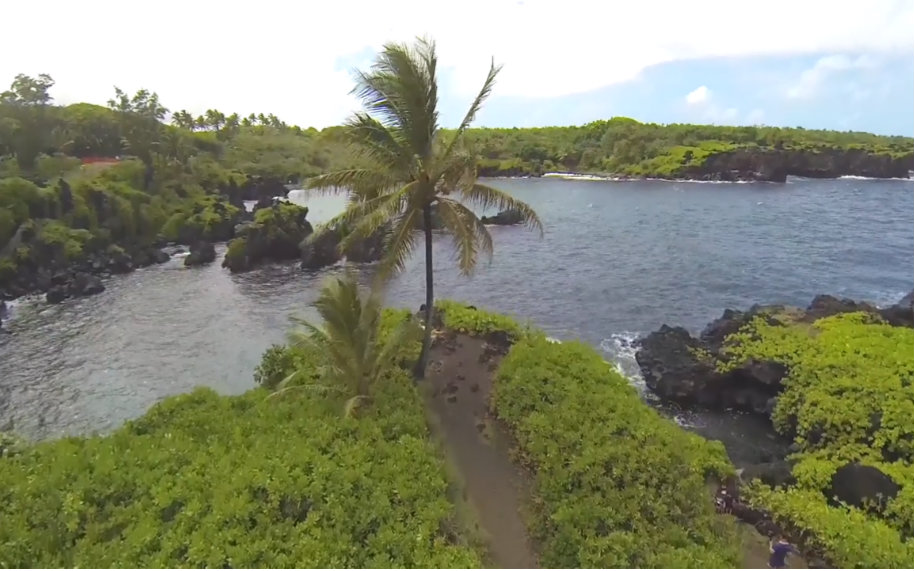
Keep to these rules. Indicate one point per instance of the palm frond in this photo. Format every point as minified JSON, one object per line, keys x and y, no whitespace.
{"x":373,"y":215}
{"x":350,"y":406}
{"x":406,"y":332}
{"x":400,"y":243}
{"x":469,"y":234}
{"x":380,"y":144}
{"x":488,"y":197}
{"x":400,"y":91}
{"x":470,"y":116}
{"x":347,"y":179}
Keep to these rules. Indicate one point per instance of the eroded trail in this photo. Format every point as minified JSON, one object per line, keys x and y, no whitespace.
{"x":459,"y":382}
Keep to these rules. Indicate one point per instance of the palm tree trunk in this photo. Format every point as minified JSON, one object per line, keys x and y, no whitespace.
{"x":429,"y":294}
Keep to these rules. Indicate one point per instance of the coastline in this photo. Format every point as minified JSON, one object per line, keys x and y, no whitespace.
{"x":599,"y":177}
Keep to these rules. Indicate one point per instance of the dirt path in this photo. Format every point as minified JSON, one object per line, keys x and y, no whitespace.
{"x":459,"y":382}
{"x":756,"y":550}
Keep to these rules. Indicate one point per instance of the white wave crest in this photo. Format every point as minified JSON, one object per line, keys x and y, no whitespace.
{"x":856,"y":177}
{"x":621,"y":349}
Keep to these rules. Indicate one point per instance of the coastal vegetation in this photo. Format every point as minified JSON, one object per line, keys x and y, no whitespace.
{"x":847,"y":400}
{"x":131,"y":173}
{"x":624,"y":146}
{"x":616,"y":485}
{"x":410,"y":167}
{"x":329,"y":462}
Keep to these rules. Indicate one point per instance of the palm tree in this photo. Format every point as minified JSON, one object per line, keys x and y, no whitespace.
{"x":409,"y":166}
{"x":358,"y":352}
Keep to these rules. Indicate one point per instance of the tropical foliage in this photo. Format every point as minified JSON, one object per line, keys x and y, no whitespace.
{"x":625,"y":146}
{"x":616,"y":485}
{"x":359,"y":353}
{"x":251,"y":481}
{"x":847,"y":398}
{"x":408,"y":167}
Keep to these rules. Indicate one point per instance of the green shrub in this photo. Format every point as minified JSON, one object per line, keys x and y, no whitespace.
{"x":849,"y":537}
{"x":172,"y":226}
{"x":249,"y":481}
{"x":69,"y":241}
{"x":54,"y":166}
{"x":616,"y":484}
{"x":849,"y":387}
{"x":847,"y":397}
{"x":460,"y":317}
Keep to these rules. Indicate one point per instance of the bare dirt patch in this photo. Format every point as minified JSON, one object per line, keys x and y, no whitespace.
{"x":457,"y":389}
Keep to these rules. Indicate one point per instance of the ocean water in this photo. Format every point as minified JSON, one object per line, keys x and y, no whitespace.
{"x":617,"y":260}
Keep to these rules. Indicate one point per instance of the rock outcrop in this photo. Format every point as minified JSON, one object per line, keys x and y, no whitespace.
{"x":323,"y":249}
{"x":274,"y":235}
{"x":902,"y":313}
{"x":54,"y":259}
{"x":681,"y":368}
{"x":201,"y":252}
{"x":258,"y":187}
{"x":775,"y":165}
{"x":81,"y":284}
{"x":504,"y":218}
{"x":862,"y":486}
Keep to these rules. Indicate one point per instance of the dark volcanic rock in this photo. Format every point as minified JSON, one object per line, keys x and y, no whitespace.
{"x":680,"y":368}
{"x":504,"y":218}
{"x":862,"y":486}
{"x":275,"y":235}
{"x":200,"y":253}
{"x":257,"y":188}
{"x":828,"y":305}
{"x":85,"y":284}
{"x":902,"y":313}
{"x":321,"y":250}
{"x":56,"y":294}
{"x":775,"y":165}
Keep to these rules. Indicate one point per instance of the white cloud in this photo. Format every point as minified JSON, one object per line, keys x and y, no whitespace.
{"x":282,"y":57}
{"x":811,"y":80}
{"x":698,"y":95}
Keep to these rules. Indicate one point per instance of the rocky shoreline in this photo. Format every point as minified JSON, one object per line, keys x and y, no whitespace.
{"x":680,"y":368}
{"x":754,"y":165}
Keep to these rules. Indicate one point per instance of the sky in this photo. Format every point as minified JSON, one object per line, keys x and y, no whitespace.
{"x":834,"y":64}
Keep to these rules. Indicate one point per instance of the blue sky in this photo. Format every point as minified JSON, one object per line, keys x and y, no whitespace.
{"x":830,"y":91}
{"x":840,"y":64}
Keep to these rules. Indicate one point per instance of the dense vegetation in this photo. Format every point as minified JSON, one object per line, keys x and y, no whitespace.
{"x":628,"y":147}
{"x":848,"y":397}
{"x":616,"y":484}
{"x":259,"y":480}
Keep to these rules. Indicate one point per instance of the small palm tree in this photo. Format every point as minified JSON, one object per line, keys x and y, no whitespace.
{"x":358,"y":353}
{"x":409,"y":167}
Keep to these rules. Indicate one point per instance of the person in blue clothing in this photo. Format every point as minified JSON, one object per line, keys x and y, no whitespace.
{"x":779,"y":551}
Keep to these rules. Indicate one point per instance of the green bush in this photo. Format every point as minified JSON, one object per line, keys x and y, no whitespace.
{"x":462,"y":318}
{"x":54,"y":166}
{"x":616,"y":484}
{"x":249,"y":481}
{"x":67,"y":240}
{"x":849,"y":537}
{"x":847,"y":398}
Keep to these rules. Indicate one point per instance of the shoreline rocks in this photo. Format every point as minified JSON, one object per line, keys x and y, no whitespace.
{"x":504,"y":218}
{"x":59,"y":279}
{"x":201,"y":252}
{"x":275,"y":235}
{"x":681,"y":368}
{"x":762,"y":164}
